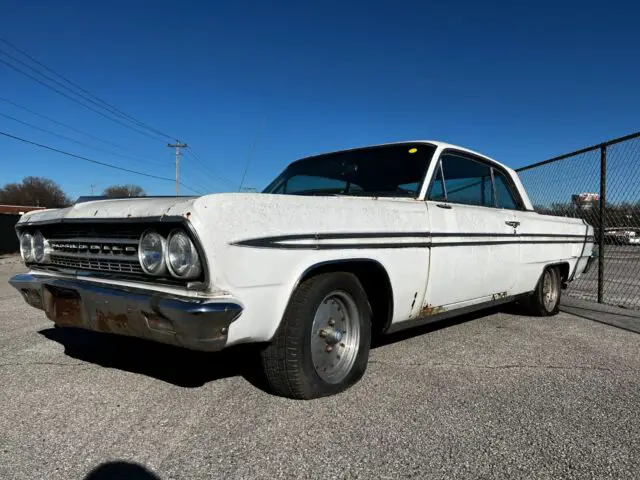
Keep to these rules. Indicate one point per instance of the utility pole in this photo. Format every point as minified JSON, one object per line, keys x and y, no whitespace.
{"x":93,"y":185}
{"x":178,"y":145}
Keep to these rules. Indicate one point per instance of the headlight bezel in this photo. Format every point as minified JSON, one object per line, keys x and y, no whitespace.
{"x":45,"y":254}
{"x":195,"y":278}
{"x":27,"y":256}
{"x":195,"y":268}
{"x":163,"y":263}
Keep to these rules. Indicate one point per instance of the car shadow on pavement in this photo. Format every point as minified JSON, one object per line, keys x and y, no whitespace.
{"x":121,"y":470}
{"x":192,"y":369}
{"x":175,"y":365}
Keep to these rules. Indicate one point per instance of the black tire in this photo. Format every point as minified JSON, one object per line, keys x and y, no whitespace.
{"x":539,"y":306}
{"x":287,"y":360}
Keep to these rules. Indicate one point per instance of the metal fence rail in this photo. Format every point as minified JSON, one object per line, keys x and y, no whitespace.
{"x":600,"y":184}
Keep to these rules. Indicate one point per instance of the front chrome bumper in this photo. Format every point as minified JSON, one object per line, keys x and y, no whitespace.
{"x":187,"y":322}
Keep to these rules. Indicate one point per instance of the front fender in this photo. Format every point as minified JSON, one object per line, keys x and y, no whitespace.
{"x":265,"y":296}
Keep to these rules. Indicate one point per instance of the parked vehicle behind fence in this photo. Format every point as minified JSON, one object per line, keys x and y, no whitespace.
{"x":338,"y":249}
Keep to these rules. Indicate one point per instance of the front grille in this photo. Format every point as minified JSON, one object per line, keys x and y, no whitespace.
{"x":102,"y":265}
{"x":105,"y":249}
{"x":104,"y":254}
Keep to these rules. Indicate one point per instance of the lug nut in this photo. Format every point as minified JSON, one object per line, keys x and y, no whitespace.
{"x":342,"y":345}
{"x":322,"y":333}
{"x":332,"y":322}
{"x":329,"y":348}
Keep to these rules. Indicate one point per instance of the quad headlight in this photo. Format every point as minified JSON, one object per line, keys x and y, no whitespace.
{"x":39,"y":247}
{"x":34,"y":247}
{"x":26,"y":247}
{"x":176,"y":253}
{"x":151,"y":253}
{"x":182,"y":256}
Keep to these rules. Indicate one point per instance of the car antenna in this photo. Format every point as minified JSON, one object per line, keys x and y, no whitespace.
{"x":251,"y":152}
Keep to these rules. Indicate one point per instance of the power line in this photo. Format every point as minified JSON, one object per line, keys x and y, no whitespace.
{"x":108,"y":142}
{"x":104,"y":105}
{"x":142,"y":132}
{"x":97,"y":162}
{"x":38,"y":72}
{"x":216,"y":178}
{"x":52,"y":120}
{"x":78,"y":142}
{"x":195,"y":181}
{"x":67,"y":126}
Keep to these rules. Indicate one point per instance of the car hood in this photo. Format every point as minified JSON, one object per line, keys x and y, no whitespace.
{"x":114,"y":208}
{"x":241,"y":205}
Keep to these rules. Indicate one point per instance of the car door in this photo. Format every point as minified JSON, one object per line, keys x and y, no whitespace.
{"x":474,"y":248}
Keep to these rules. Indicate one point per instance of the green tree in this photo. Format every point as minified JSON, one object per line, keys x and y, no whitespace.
{"x":118,"y":191}
{"x":34,"y":191}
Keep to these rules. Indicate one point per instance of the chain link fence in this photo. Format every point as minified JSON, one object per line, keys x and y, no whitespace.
{"x":600,"y":184}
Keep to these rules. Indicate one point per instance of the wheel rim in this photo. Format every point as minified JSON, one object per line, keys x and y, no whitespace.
{"x":549,"y":291}
{"x":335,"y":336}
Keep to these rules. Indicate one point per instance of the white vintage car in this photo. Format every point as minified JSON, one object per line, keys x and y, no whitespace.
{"x":339,"y":248}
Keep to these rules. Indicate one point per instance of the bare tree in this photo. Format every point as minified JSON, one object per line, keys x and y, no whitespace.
{"x":34,"y":191}
{"x":117,"y":191}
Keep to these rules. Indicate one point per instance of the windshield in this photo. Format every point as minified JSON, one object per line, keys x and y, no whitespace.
{"x":391,"y":170}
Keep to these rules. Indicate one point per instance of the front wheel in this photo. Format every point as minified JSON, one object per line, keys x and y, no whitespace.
{"x":322,"y":345}
{"x":545,"y":300}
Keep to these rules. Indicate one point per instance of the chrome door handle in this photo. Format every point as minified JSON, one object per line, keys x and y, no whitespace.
{"x":512,"y":223}
{"x":443,"y":205}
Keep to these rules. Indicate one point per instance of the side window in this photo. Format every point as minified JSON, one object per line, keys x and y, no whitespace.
{"x":437,"y":189}
{"x":504,"y":195}
{"x":466,"y":181}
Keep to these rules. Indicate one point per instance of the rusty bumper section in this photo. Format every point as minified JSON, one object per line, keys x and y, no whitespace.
{"x":192,"y":323}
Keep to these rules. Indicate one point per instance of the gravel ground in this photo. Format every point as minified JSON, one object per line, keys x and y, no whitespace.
{"x":493,"y":396}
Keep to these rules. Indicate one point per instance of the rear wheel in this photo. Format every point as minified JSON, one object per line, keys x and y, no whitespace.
{"x":322,"y":345}
{"x":545,"y":300}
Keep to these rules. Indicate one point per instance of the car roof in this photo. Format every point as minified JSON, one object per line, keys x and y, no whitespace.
{"x":436,"y":143}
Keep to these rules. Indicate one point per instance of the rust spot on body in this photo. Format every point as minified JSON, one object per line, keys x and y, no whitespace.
{"x":429,"y":310}
{"x":67,"y":311}
{"x":101,"y":322}
{"x":105,"y":320}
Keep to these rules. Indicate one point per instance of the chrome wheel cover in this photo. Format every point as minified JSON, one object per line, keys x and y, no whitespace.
{"x":335,"y":336}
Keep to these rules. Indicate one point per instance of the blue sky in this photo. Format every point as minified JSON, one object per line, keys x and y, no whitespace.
{"x":519,"y":82}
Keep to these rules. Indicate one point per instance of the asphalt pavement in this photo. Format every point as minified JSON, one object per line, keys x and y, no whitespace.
{"x":621,"y":279}
{"x":494,"y":395}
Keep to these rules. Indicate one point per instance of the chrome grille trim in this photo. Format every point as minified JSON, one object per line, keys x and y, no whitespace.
{"x":97,"y":256}
{"x":101,"y":253}
{"x":88,"y":263}
{"x":119,"y":241}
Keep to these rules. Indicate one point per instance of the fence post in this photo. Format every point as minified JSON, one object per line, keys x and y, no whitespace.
{"x":603,"y":202}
